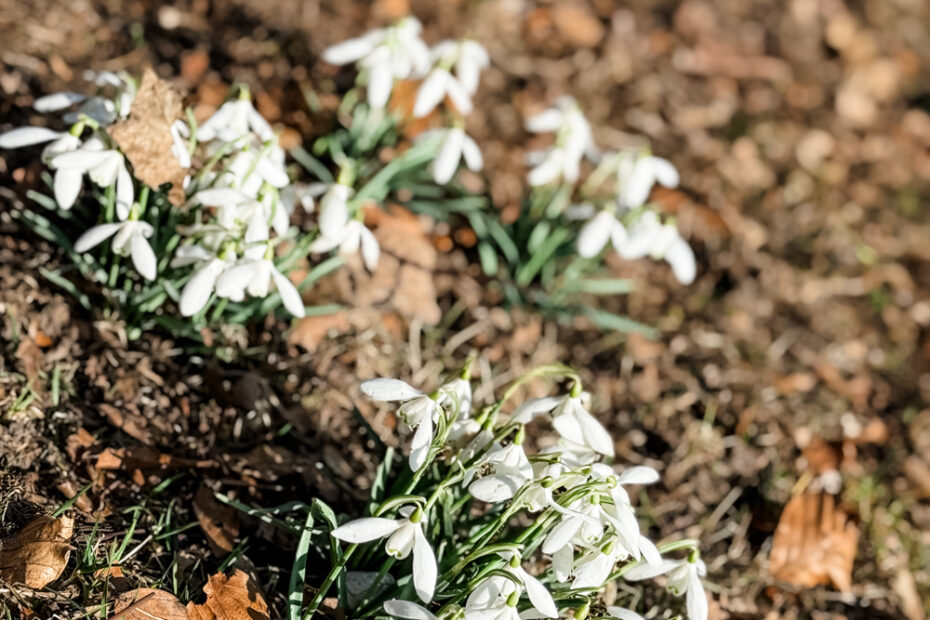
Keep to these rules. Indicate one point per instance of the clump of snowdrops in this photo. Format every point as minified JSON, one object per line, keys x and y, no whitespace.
{"x":478,"y":524}
{"x":190,"y":226}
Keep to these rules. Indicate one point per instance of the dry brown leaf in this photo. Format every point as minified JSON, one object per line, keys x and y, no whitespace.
{"x":311,"y":330}
{"x":148,"y":604}
{"x":814,"y":544}
{"x":144,"y":458}
{"x":38,"y":553}
{"x":29,"y":356}
{"x":233,"y":598}
{"x":145,"y":137}
{"x":219,"y":522}
{"x":131,"y":424}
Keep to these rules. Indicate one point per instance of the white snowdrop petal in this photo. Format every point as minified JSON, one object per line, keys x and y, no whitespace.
{"x":125,"y":193}
{"x":639,"y":184}
{"x":622,"y":613}
{"x":569,"y":427}
{"x":494,"y":488}
{"x":259,"y":125}
{"x":380,"y":81}
{"x":550,"y":120}
{"x":594,"y":234}
{"x":407,"y":609}
{"x":371,"y":251}
{"x":431,"y":92}
{"x":67,"y":186}
{"x":425,"y":569}
{"x":664,"y":172}
{"x":324,"y":244}
{"x":696,"y":600}
{"x":290,"y":296}
{"x":561,"y":535}
{"x":349,"y":50}
{"x":539,"y":596}
{"x":57,"y":101}
{"x":681,"y":258}
{"x":450,"y":152}
{"x":649,"y":551}
{"x":593,"y":573}
{"x":27,"y":136}
{"x":419,"y":447}
{"x":459,"y":96}
{"x":468,"y":72}
{"x":233,"y":282}
{"x":618,"y":235}
{"x":594,"y":432}
{"x":472,"y":154}
{"x":197,"y":291}
{"x":365,"y":530}
{"x":220,"y":196}
{"x":389,"y":390}
{"x":548,"y":170}
{"x":96,"y":236}
{"x":648,"y":571}
{"x":640,"y":474}
{"x":274,"y":174}
{"x":534,"y":407}
{"x":143,"y":258}
{"x":562,"y":560}
{"x":83,"y":159}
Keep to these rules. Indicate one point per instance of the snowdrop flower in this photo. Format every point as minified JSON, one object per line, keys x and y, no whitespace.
{"x":510,"y":468}
{"x":438,"y":85}
{"x":649,"y":237}
{"x":539,"y":596}
{"x":597,"y":231}
{"x":571,"y":419}
{"x":407,"y":609}
{"x":456,"y":395}
{"x":256,"y":272}
{"x":593,"y":569}
{"x":496,"y":598}
{"x":104,"y":166}
{"x":684,"y":577}
{"x":582,"y":521}
{"x":235,"y":119}
{"x":130,"y":236}
{"x":196,"y":293}
{"x":67,"y":182}
{"x":417,"y":410}
{"x":637,"y":173}
{"x":404,"y":535}
{"x":248,"y":170}
{"x":455,"y":146}
{"x":386,"y":54}
{"x":28,"y":136}
{"x":573,"y":141}
{"x":469,"y":58}
{"x":338,"y":230}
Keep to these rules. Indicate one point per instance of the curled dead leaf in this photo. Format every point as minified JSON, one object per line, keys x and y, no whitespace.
{"x":219,"y":522}
{"x":814,"y":543}
{"x":311,"y":330}
{"x":38,"y":553}
{"x":233,"y":598}
{"x":145,"y":137}
{"x":146,"y":604}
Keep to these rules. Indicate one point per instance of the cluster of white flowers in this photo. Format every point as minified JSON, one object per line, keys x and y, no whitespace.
{"x":451,"y":69}
{"x":625,"y":218}
{"x":584,"y":533}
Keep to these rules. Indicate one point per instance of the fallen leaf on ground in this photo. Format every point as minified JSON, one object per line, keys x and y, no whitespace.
{"x":144,"y":458}
{"x":30,"y":358}
{"x":131,"y":424}
{"x":311,"y":330}
{"x":148,"y":604}
{"x":814,"y":544}
{"x":38,"y":553}
{"x":145,"y":137}
{"x":233,"y":598}
{"x":219,"y":522}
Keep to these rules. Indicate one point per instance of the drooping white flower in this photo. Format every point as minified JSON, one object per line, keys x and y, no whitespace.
{"x":407,"y":609}
{"x":104,"y":166}
{"x":129,"y":237}
{"x":28,"y":136}
{"x":196,"y":293}
{"x":622,"y":613}
{"x":233,"y":120}
{"x":417,"y":410}
{"x":684,"y":577}
{"x":571,"y":419}
{"x":255,"y":272}
{"x":496,"y":598}
{"x":582,"y":523}
{"x":538,"y":594}
{"x":649,"y":237}
{"x":439,"y":84}
{"x":600,"y":229}
{"x":57,"y":102}
{"x":593,"y":568}
{"x":338,"y":230}
{"x":454,"y":147}
{"x":510,"y":468}
{"x":386,"y":54}
{"x":637,"y":173}
{"x":405,"y":535}
{"x":573,"y":140}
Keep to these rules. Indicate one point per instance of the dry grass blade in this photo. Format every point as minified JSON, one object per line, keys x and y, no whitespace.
{"x":814,"y":544}
{"x":233,"y":598}
{"x":37,"y":554}
{"x":148,"y":604}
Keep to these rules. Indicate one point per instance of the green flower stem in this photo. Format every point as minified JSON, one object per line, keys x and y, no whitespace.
{"x":328,"y":581}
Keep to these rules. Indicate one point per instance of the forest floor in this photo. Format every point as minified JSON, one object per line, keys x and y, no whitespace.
{"x":798,"y":360}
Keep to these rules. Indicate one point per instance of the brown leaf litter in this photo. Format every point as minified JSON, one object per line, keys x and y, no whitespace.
{"x":38,"y":553}
{"x":148,"y":604}
{"x":814,"y":544}
{"x":145,"y":137}
{"x":232,"y":598}
{"x":219,"y":522}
